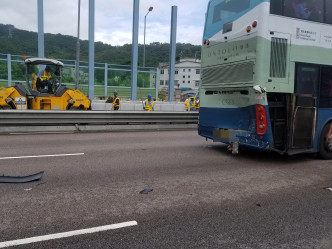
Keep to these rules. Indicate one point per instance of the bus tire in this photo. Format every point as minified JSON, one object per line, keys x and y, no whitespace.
{"x":325,"y":145}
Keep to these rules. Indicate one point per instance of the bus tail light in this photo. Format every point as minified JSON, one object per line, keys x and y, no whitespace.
{"x":206,"y":42}
{"x":254,"y":24}
{"x":261,"y":121}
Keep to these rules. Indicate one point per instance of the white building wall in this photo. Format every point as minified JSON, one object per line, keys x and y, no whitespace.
{"x":187,"y":74}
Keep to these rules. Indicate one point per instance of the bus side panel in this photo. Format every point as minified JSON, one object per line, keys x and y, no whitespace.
{"x":240,"y":124}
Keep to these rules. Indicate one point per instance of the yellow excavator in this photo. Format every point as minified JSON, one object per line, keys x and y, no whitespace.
{"x":48,"y":94}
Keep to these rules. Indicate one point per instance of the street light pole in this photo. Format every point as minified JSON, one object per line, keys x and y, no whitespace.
{"x":77,"y":64}
{"x":150,"y":9}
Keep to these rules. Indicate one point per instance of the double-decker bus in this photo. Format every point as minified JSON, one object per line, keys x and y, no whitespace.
{"x":266,"y":77}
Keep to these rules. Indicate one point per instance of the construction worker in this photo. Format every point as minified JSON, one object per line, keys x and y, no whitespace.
{"x":116,"y":102}
{"x":187,"y":104}
{"x":197,"y":104}
{"x":148,"y":104}
{"x":44,"y":79}
{"x":192,"y":103}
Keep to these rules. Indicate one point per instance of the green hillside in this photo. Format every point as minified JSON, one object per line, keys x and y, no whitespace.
{"x":21,"y":42}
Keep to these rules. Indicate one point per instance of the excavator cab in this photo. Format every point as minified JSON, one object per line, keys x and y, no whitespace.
{"x":45,"y":89}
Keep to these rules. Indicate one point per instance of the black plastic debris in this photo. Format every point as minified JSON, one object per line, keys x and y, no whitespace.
{"x":258,"y":205}
{"x":21,"y":179}
{"x":146,"y":191}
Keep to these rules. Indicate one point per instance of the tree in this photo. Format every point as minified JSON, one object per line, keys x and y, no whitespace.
{"x":64,"y":47}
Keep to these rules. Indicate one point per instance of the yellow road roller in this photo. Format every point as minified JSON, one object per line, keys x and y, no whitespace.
{"x":44,"y":89}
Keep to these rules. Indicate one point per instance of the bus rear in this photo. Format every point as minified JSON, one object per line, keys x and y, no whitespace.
{"x":234,"y":107}
{"x":266,"y":75}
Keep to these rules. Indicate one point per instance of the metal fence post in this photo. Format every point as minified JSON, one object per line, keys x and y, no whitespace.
{"x":134,"y":56}
{"x":157,"y":82}
{"x":91,"y":48}
{"x":106,"y":79}
{"x":9,"y":67}
{"x":172,"y":53}
{"x":41,"y":42}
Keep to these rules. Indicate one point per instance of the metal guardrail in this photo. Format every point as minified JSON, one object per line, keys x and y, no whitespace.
{"x":62,"y":118}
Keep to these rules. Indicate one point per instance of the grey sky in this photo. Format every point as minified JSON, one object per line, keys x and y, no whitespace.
{"x":113,"y":19}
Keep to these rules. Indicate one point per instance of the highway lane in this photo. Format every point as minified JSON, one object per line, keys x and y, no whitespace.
{"x":203,"y":197}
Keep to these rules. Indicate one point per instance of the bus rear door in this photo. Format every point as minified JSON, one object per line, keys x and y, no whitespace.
{"x":304,"y":107}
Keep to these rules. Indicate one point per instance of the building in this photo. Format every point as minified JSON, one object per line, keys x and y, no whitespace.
{"x":187,"y":75}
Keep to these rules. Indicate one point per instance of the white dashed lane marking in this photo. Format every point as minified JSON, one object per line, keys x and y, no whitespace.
{"x":39,"y":156}
{"x":66,"y":234}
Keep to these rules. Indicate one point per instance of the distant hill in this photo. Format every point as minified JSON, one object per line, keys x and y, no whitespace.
{"x":22,"y":42}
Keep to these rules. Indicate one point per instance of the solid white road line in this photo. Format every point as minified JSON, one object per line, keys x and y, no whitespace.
{"x":66,"y":234}
{"x":56,"y":155}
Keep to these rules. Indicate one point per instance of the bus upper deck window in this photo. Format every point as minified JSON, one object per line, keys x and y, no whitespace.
{"x":276,"y":7}
{"x":301,"y":9}
{"x":328,"y":12}
{"x":315,"y":10}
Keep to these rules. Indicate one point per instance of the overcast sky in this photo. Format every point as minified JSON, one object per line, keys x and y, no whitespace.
{"x":113,"y":19}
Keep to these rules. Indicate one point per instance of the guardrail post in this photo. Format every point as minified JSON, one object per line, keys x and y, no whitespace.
{"x":9,"y":67}
{"x":106,"y":78}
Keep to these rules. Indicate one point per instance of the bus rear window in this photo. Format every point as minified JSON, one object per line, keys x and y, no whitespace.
{"x":229,"y":8}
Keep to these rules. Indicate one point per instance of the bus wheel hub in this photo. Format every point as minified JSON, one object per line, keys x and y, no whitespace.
{"x":329,"y":143}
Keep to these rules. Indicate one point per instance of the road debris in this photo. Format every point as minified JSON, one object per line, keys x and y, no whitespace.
{"x":146,"y":191}
{"x":21,"y":179}
{"x":328,"y":189}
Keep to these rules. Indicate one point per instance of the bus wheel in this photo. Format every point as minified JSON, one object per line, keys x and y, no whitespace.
{"x":325,"y":142}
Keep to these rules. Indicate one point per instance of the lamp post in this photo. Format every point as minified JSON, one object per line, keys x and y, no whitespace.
{"x":150,"y":9}
{"x":77,"y":64}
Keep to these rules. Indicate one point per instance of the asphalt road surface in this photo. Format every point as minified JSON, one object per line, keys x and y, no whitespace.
{"x":202,"y":196}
